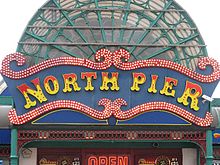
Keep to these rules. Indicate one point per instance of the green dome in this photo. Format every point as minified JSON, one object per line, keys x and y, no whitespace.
{"x":146,"y":28}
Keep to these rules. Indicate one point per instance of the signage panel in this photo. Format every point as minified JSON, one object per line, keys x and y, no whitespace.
{"x":111,"y":91}
{"x":107,"y":159}
{"x":216,"y":136}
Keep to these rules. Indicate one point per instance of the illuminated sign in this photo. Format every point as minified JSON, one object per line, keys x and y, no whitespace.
{"x":159,"y":160}
{"x":71,"y":85}
{"x":44,"y":161}
{"x":62,"y":161}
{"x":112,"y":91}
{"x":110,"y":159}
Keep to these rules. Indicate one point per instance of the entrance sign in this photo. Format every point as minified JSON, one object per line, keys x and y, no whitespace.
{"x":108,"y":159}
{"x":111,"y":91}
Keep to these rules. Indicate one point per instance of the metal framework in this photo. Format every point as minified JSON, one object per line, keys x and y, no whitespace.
{"x":79,"y":28}
{"x":146,"y":28}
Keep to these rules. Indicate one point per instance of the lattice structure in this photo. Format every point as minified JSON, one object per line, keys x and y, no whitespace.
{"x":145,"y":28}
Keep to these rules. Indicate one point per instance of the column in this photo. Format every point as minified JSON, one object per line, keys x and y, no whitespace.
{"x":14,"y":142}
{"x":209,"y":148}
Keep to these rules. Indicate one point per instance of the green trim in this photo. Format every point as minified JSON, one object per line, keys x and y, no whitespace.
{"x":209,"y":147}
{"x":215,"y":102}
{"x":125,"y":18}
{"x":6,"y":100}
{"x":110,"y":144}
{"x":14,"y":143}
{"x":100,"y":22}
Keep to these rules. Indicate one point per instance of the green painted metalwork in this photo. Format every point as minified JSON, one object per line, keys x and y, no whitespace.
{"x":215,"y":102}
{"x":112,"y":144}
{"x":6,"y":100}
{"x":214,"y":108}
{"x":146,"y":28}
{"x":100,"y":21}
{"x":55,"y":46}
{"x":198,"y":156}
{"x":152,"y":24}
{"x":14,"y":141}
{"x":209,"y":147}
{"x":122,"y":31}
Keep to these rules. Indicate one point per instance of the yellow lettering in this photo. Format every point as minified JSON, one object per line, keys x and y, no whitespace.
{"x":192,"y":91}
{"x":38,"y":93}
{"x":55,"y":83}
{"x":152,"y":88}
{"x":113,"y":81}
{"x":89,"y":76}
{"x":138,"y":79}
{"x":70,"y":79}
{"x":168,"y":86}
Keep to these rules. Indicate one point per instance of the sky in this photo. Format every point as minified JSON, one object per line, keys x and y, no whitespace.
{"x":15,"y":14}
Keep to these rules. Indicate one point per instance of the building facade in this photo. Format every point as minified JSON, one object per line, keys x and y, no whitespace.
{"x":110,"y":83}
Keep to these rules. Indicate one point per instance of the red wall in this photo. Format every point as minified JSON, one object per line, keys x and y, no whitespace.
{"x":152,"y":156}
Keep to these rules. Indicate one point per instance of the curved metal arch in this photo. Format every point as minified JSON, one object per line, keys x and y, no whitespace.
{"x":146,"y":28}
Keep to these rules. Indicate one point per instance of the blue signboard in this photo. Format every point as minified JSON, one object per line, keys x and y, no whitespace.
{"x":112,"y":91}
{"x":216,"y":136}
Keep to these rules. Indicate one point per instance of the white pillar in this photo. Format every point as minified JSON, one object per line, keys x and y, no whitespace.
{"x":189,"y":156}
{"x":25,"y":158}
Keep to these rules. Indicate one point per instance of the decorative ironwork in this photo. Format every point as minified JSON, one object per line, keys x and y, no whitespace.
{"x":146,"y":29}
{"x":25,"y":136}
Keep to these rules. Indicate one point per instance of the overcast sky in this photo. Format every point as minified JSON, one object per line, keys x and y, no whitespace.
{"x":15,"y":14}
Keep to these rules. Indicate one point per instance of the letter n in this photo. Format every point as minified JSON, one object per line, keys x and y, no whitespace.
{"x":38,"y":93}
{"x":122,"y":160}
